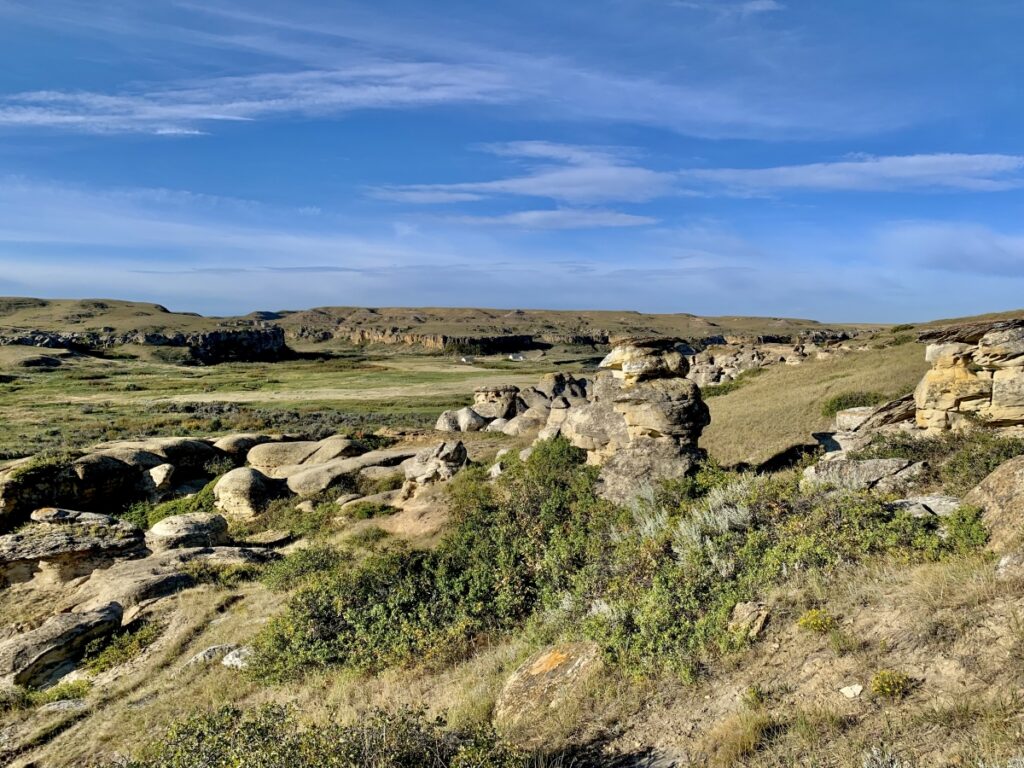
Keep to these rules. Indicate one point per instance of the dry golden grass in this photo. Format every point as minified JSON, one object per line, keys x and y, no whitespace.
{"x":782,"y":407}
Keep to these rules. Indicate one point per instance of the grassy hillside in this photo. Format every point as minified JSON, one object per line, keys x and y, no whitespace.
{"x":783,"y":406}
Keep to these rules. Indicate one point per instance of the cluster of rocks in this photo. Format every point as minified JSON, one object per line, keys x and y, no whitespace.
{"x":720,"y":364}
{"x":639,"y":417}
{"x":977,"y":373}
{"x":516,"y":411}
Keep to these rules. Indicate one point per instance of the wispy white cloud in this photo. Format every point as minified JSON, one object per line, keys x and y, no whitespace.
{"x":727,"y":8}
{"x":561,"y":218}
{"x":182,"y":108}
{"x":950,"y":171}
{"x":576,"y":174}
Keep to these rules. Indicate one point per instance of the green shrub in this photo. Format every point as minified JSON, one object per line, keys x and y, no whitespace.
{"x":890,"y":684}
{"x":716,"y":390}
{"x":368,"y":537}
{"x":369,"y":486}
{"x":654,"y":584}
{"x":223,"y":575}
{"x":965,"y":529}
{"x":106,"y":653}
{"x":301,"y":564}
{"x":285,"y":514}
{"x":841,"y":402}
{"x":366,"y":510}
{"x":512,"y":547}
{"x":203,"y":501}
{"x":20,"y":698}
{"x":818,"y":621}
{"x":957,"y":460}
{"x":271,"y":737}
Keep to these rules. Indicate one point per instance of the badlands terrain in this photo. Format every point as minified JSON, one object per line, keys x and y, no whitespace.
{"x":444,"y":537}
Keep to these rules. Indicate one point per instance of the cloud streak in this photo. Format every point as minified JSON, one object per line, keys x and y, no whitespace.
{"x":947,"y":171}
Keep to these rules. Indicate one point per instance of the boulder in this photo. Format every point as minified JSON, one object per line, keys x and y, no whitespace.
{"x":447,"y":422}
{"x":636,"y":359}
{"x":244,"y":493}
{"x":238,"y":658}
{"x":267,"y":456}
{"x":431,"y":465}
{"x":38,"y":657}
{"x":157,"y":482}
{"x":208,"y":655}
{"x":532,"y":398}
{"x":184,"y":453}
{"x":528,"y":423}
{"x":495,"y":402}
{"x":642,"y":463}
{"x":320,"y":477}
{"x":849,"y":419}
{"x":748,"y":619}
{"x":863,"y":474}
{"x":935,"y":505}
{"x":238,"y":446}
{"x":663,"y":408}
{"x":496,"y":426}
{"x":469,"y":420}
{"x":1001,"y":496}
{"x":553,"y":678}
{"x":197,"y":529}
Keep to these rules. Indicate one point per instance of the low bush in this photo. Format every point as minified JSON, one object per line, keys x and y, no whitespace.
{"x":512,"y":548}
{"x":368,"y":486}
{"x":21,"y":698}
{"x":366,"y":510}
{"x":147,"y":515}
{"x":271,"y":737}
{"x":818,"y":621}
{"x":302,"y":564}
{"x":890,"y":684}
{"x":106,"y":653}
{"x":368,"y":538}
{"x":841,"y":402}
{"x":307,"y":520}
{"x":653,"y":584}
{"x":221,"y":574}
{"x":957,"y":460}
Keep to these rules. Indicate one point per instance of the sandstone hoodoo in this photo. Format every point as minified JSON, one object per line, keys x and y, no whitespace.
{"x":642,"y":418}
{"x":977,"y":373}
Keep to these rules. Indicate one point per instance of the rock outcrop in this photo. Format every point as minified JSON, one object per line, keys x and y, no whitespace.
{"x":643,"y":417}
{"x":38,"y":657}
{"x":977,"y":373}
{"x":843,"y":472}
{"x":244,"y":493}
{"x":432,"y":465}
{"x":65,"y":544}
{"x":552,"y":678}
{"x":1001,"y":497}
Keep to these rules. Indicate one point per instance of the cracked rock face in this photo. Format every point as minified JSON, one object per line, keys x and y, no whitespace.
{"x":976,"y":373}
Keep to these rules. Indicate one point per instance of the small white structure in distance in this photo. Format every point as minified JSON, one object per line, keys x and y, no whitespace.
{"x":467,"y":359}
{"x":516,"y":357}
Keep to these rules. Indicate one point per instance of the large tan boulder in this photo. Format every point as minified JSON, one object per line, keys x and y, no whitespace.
{"x":495,"y":402}
{"x":197,"y":529}
{"x":238,"y":446}
{"x":244,"y":493}
{"x":664,"y":408}
{"x":1001,"y":496}
{"x":552,"y":679}
{"x":432,"y":465}
{"x":38,"y":657}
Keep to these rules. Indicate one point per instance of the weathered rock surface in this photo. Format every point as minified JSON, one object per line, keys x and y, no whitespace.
{"x":1001,"y":496}
{"x":244,"y":493}
{"x":548,"y":680}
{"x":198,"y":529}
{"x":977,"y":372}
{"x":935,"y":505}
{"x":273,"y":458}
{"x":320,"y":477}
{"x":861,"y":474}
{"x":66,"y":544}
{"x":35,"y":658}
{"x":496,"y":402}
{"x":238,"y":446}
{"x":435,"y":464}
{"x":131,"y":582}
{"x":638,"y":359}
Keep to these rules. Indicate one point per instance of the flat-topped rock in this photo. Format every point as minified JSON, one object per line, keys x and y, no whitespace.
{"x":636,"y":359}
{"x":435,"y":464}
{"x":270,"y":456}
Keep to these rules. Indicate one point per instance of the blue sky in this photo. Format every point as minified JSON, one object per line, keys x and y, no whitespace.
{"x":820,"y":158}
